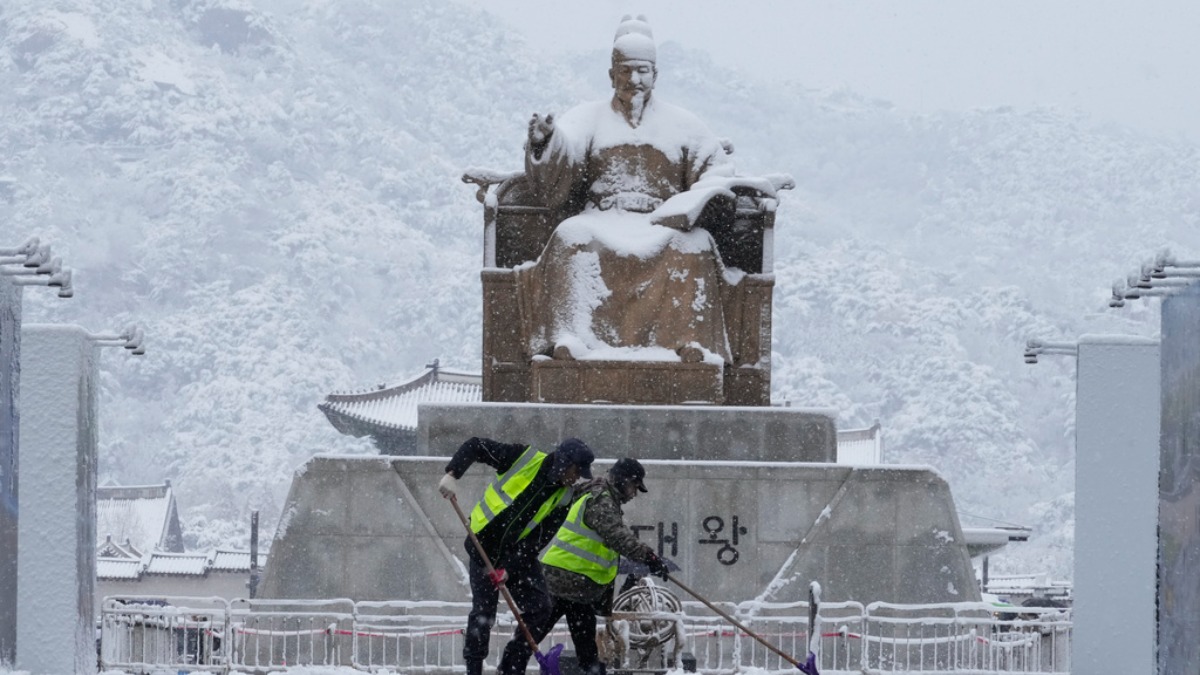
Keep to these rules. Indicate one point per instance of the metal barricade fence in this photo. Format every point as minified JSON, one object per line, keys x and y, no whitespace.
{"x":269,"y":635}
{"x":425,"y":636}
{"x":842,"y":626}
{"x":965,"y":638}
{"x":720,"y":648}
{"x":148,"y":634}
{"x":144,"y":633}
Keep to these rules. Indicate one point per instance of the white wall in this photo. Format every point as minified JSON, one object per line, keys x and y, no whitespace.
{"x":227,"y":585}
{"x":1116,"y":505}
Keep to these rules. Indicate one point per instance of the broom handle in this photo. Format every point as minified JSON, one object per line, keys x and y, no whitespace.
{"x":735,"y":622}
{"x":487,"y":565}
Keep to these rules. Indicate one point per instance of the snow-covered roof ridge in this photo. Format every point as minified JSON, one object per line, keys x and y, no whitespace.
{"x":233,"y":560}
{"x":118,"y":568}
{"x":396,"y":407}
{"x":175,"y":564}
{"x":113,"y":549}
{"x":154,"y":491}
{"x":430,"y":373}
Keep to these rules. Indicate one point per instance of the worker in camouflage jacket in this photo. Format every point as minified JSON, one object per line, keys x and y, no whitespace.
{"x":580,"y":566}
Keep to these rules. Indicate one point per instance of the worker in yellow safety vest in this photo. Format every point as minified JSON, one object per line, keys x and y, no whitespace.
{"x":580,"y":566}
{"x":518,"y":514}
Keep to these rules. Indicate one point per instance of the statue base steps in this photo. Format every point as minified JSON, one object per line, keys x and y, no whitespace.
{"x":683,"y":432}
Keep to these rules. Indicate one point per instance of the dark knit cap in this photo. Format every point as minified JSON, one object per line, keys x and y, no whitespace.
{"x":574,"y":452}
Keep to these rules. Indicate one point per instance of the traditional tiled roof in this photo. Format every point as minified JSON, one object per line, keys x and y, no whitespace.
{"x":384,"y":409}
{"x":144,"y":516}
{"x":235,"y":561}
{"x":111,"y":549}
{"x":176,"y":564}
{"x":118,"y":568}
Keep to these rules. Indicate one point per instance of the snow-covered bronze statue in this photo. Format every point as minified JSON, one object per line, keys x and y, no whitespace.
{"x":632,"y":282}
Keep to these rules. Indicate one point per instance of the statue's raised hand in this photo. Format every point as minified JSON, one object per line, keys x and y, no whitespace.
{"x":540,"y":131}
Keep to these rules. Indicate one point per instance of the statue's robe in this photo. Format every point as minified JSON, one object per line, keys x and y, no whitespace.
{"x":609,"y":277}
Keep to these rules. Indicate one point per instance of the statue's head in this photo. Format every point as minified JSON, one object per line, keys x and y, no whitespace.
{"x":633,"y":70}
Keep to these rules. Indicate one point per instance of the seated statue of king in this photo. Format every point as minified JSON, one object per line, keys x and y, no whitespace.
{"x":629,"y":275}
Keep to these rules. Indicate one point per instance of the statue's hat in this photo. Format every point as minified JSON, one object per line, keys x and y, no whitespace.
{"x":634,"y":40}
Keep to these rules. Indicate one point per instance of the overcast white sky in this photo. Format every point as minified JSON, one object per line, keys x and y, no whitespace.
{"x":1135,"y":62}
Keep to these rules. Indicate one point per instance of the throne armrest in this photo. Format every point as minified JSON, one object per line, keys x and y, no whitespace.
{"x":516,"y":223}
{"x":486,"y":178}
{"x":744,"y":226}
{"x":767,"y":186}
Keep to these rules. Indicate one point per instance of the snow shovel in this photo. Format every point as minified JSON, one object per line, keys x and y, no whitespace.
{"x":548,"y":661}
{"x":809,"y":666}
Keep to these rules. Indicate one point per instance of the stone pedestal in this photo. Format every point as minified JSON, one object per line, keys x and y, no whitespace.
{"x":355,"y":528}
{"x":635,"y":382}
{"x":374,"y":528}
{"x":57,"y":555}
{"x":645,"y":432}
{"x":746,"y":500}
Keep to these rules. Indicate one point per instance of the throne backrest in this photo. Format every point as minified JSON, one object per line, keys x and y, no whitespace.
{"x":518,"y":224}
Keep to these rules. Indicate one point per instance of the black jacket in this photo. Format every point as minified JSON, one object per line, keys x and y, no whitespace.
{"x":499,"y":538}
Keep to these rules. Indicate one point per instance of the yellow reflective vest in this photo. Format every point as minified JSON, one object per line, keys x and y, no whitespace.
{"x":505,"y":489}
{"x":578,"y":548}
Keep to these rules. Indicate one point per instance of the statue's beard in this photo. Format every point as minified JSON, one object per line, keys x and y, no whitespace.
{"x":637,"y":105}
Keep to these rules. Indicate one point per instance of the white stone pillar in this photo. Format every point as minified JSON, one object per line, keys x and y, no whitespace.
{"x":57,"y":539}
{"x":1117,"y":413}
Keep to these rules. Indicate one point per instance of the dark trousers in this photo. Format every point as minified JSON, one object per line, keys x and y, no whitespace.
{"x":528,"y":589}
{"x":581,"y":620}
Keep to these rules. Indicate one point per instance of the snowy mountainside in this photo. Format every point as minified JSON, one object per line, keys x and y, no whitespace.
{"x":272,"y":189}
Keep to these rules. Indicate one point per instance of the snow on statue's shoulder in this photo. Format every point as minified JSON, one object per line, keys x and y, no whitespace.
{"x":664,"y":126}
{"x":572,"y":139}
{"x":664,"y":119}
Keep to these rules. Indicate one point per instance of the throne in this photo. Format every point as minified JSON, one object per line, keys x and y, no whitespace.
{"x":517,"y":227}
